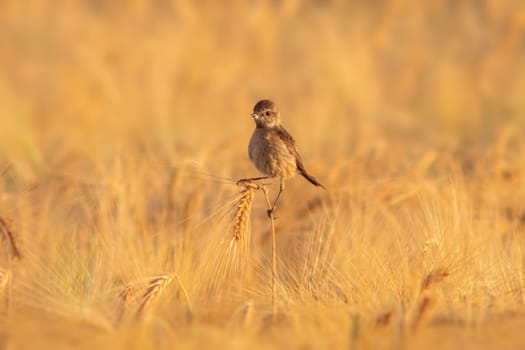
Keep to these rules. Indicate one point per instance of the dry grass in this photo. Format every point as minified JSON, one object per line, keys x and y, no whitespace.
{"x":124,"y":125}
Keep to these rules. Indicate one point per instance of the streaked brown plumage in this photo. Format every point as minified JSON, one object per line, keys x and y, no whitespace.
{"x":272,"y":149}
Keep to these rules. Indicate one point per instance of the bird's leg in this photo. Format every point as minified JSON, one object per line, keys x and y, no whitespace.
{"x":241,"y":181}
{"x":281,"y":189}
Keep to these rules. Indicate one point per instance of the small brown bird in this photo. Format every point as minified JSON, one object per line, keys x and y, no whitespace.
{"x":272,"y":150}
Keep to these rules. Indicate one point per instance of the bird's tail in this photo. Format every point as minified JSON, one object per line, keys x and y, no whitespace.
{"x":310,"y":178}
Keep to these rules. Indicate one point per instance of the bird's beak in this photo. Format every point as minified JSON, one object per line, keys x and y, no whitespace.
{"x":255,"y":116}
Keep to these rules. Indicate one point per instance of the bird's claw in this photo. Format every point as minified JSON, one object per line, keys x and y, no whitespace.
{"x":243,"y":182}
{"x":269,"y":212}
{"x":248,"y":183}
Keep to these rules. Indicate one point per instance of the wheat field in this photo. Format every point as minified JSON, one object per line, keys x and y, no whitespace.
{"x":124,"y":127}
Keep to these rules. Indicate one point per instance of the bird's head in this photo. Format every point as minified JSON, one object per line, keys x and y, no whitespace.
{"x":265,"y":114}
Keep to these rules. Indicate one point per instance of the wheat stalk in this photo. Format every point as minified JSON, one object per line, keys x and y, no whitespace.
{"x":5,"y":276}
{"x":124,"y":296}
{"x":5,"y":279}
{"x":274,"y":254}
{"x":10,"y":236}
{"x":422,"y":310}
{"x":188,"y":303}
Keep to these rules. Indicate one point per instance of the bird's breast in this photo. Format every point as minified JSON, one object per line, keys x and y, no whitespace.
{"x":270,"y":155}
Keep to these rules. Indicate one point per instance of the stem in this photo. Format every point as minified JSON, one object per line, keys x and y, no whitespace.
{"x":274,"y":253}
{"x":189,"y":313}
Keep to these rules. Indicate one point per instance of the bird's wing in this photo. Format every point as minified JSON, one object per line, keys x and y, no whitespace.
{"x":290,"y":145}
{"x":288,"y":140}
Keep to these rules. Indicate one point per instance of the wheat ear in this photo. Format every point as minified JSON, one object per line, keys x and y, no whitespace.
{"x":433,"y":277}
{"x":243,"y":206}
{"x":155,"y":288}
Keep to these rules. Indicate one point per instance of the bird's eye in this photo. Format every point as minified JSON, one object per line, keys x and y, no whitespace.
{"x":267,"y":113}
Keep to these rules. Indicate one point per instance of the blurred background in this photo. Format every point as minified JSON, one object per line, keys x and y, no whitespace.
{"x":86,"y":76}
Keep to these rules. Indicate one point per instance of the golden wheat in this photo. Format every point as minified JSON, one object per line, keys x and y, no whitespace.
{"x":154,"y":289}
{"x":433,"y":277}
{"x":243,"y":208}
{"x":229,"y":271}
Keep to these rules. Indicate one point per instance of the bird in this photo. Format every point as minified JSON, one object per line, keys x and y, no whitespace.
{"x":273,"y":150}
